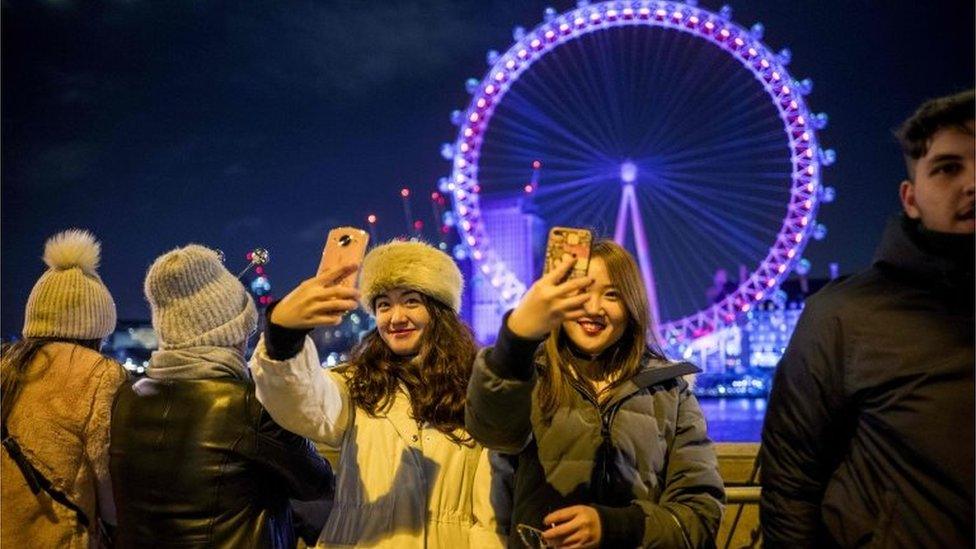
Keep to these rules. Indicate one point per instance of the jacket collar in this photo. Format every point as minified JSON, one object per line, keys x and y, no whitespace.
{"x":649,"y":362}
{"x":642,"y":379}
{"x":909,"y":250}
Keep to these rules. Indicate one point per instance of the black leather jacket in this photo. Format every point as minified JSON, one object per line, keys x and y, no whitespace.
{"x":199,"y":463}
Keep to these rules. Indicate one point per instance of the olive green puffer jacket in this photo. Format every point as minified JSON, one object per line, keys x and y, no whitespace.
{"x":642,"y":458}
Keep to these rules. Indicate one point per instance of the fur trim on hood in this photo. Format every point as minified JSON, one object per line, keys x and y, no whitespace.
{"x":414,"y":265}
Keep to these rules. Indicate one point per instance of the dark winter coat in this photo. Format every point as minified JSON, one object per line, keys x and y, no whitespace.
{"x":199,"y":463}
{"x":868,"y":437}
{"x":642,"y":458}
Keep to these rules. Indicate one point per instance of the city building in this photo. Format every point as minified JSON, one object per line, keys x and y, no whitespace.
{"x":518,"y":235}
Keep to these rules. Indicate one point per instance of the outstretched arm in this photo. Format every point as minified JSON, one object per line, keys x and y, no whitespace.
{"x":291,"y":384}
{"x":499,"y":402}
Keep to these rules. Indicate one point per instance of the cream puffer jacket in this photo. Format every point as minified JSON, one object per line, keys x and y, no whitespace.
{"x":398,"y":484}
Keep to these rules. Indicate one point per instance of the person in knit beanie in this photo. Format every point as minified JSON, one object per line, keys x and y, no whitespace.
{"x":197,"y":302}
{"x":69,"y":300}
{"x":411,"y":476}
{"x":192,"y":449}
{"x":57,"y":398}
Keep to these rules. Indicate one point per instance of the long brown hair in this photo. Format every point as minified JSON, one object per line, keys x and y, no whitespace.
{"x":436,"y":379}
{"x":623,"y":358}
{"x":16,"y":358}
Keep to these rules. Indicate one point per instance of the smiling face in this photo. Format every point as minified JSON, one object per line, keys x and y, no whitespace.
{"x":942,"y":193}
{"x":606,"y":314}
{"x":401,"y":318}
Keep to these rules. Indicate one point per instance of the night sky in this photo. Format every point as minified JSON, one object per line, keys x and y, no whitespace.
{"x":239,"y":124}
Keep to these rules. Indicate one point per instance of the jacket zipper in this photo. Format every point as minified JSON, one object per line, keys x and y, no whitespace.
{"x":606,"y":421}
{"x":607,"y":416}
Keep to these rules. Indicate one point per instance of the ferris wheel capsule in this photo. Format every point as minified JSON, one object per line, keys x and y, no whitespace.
{"x":447,"y":151}
{"x":803,"y":267}
{"x":819,"y":231}
{"x":756,"y":31}
{"x":460,"y":252}
{"x":784,"y":56}
{"x":820,"y":120}
{"x":828,"y":157}
{"x":518,"y":33}
{"x":805,"y":86}
{"x":828,"y":194}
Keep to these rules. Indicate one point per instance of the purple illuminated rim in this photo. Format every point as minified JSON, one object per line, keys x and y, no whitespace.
{"x":784,"y":92}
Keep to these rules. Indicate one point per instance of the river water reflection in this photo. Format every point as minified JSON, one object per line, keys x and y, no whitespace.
{"x":734,"y":419}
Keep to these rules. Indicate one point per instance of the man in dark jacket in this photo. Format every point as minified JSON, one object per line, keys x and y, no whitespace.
{"x":868,"y":438}
{"x":195,"y":458}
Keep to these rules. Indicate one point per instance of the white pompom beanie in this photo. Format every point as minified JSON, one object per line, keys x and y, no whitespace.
{"x":70,"y":300}
{"x":196,"y":301}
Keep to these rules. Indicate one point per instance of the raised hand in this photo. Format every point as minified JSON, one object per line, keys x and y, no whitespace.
{"x":318,"y":301}
{"x":549,"y":302}
{"x":576,"y":527}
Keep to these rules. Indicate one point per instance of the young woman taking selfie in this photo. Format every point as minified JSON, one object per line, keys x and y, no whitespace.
{"x":611,"y":444}
{"x":409,"y":475}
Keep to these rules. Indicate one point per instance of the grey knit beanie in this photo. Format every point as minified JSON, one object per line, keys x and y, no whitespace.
{"x":70,"y":300}
{"x":196,"y":301}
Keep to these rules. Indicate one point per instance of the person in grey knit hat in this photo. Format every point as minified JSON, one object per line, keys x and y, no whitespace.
{"x":196,"y":458}
{"x":57,"y":399}
{"x":197,"y":302}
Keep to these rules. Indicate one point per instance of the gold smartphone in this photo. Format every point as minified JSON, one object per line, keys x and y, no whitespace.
{"x":571,"y":241}
{"x":344,"y":246}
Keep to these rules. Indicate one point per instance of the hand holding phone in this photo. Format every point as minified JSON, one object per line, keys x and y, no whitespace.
{"x":550,"y":301}
{"x":344,"y":246}
{"x":318,"y":301}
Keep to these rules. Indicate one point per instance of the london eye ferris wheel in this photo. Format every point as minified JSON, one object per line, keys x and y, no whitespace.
{"x":662,"y":124}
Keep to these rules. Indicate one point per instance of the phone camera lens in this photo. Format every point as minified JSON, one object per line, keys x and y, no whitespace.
{"x":345,"y":240}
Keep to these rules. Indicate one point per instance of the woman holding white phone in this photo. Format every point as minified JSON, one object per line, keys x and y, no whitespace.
{"x":392,"y":419}
{"x":611,"y":445}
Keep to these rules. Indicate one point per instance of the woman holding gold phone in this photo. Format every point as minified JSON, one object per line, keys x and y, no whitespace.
{"x":612,"y":446}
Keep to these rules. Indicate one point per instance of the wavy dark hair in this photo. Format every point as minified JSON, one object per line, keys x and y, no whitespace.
{"x":436,"y":379}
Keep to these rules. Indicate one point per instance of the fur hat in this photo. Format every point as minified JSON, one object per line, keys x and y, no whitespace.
{"x":414,"y":265}
{"x":70,"y":300}
{"x":196,"y":301}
